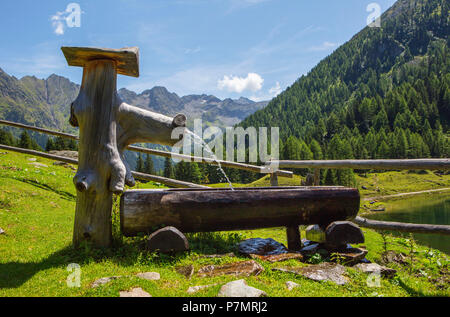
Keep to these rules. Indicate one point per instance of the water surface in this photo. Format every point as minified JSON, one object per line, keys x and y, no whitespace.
{"x":428,"y":209}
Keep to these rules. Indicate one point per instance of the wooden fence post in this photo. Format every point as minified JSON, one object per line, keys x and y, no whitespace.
{"x":292,"y":232}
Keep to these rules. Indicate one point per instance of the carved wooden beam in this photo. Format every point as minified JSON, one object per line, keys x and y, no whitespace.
{"x":107,"y":127}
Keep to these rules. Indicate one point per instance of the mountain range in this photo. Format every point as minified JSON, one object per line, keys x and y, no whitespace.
{"x":46,"y":103}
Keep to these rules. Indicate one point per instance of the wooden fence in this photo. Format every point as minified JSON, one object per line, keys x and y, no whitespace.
{"x":292,"y":232}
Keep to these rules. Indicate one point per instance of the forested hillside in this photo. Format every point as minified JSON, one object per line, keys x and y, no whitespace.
{"x":383,"y":94}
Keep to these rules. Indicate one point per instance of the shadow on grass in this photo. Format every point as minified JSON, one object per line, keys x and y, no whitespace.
{"x":123,"y":253}
{"x":63,"y":194}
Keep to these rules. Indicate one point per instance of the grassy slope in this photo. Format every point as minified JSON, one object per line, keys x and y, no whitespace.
{"x":36,"y":211}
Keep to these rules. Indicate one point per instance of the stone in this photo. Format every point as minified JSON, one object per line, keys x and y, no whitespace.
{"x":195,"y":289}
{"x":245,"y":268}
{"x":349,"y":256}
{"x":186,"y":270}
{"x":240,"y":288}
{"x":392,"y":256}
{"x":315,"y":233}
{"x":2,"y":231}
{"x":374,"y":268}
{"x":104,"y":280}
{"x":135,"y":292}
{"x":310,"y":249}
{"x":291,"y":285}
{"x":69,"y":154}
{"x":261,"y":247}
{"x":340,"y":233}
{"x":150,"y":276}
{"x":278,"y":257}
{"x":32,"y":159}
{"x":319,"y":272}
{"x":38,"y":165}
{"x":214,"y":256}
{"x":166,"y":240}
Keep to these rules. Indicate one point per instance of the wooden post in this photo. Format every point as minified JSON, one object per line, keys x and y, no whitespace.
{"x":292,"y":232}
{"x":316,"y":177}
{"x":107,"y":127}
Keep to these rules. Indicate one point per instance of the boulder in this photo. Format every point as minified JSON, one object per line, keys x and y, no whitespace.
{"x":315,"y":233}
{"x":341,"y":233}
{"x":150,"y":276}
{"x":375,"y":268}
{"x":261,"y":247}
{"x":135,"y":292}
{"x":319,"y":272}
{"x":240,"y":288}
{"x":166,"y":240}
{"x":243,"y":268}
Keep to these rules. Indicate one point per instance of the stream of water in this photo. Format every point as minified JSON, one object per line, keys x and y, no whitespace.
{"x":204,"y":145}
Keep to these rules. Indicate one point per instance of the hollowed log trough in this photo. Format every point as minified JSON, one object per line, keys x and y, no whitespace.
{"x":218,"y":209}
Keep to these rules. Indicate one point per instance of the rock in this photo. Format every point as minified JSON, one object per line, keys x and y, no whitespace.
{"x":167,"y":239}
{"x":349,"y":256}
{"x":363,"y":187}
{"x":195,"y":289}
{"x":291,"y":285}
{"x":315,"y":233}
{"x":135,"y":292}
{"x":2,"y":231}
{"x":340,"y":233}
{"x":38,"y":165}
{"x":104,"y":280}
{"x":278,"y":257}
{"x":374,"y":268}
{"x":392,"y":256}
{"x":319,"y":272}
{"x":310,"y":249}
{"x":213,"y":256}
{"x":186,"y":270}
{"x":32,"y":159}
{"x":240,"y":288}
{"x":151,"y":276}
{"x":261,"y":247}
{"x":69,"y":154}
{"x":245,"y":268}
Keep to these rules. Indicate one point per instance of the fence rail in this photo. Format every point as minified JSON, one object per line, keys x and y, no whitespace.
{"x":408,"y":164}
{"x":137,"y":175}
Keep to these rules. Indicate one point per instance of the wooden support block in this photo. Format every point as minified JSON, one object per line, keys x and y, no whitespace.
{"x":273,"y":179}
{"x":293,"y":238}
{"x":127,"y":59}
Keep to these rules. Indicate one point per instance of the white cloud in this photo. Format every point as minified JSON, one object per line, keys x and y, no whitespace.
{"x":252,"y":82}
{"x":323,"y":47}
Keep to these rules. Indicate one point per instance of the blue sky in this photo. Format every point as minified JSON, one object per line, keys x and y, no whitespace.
{"x":228,"y":48}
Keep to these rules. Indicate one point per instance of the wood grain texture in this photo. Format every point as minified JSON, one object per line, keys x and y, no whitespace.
{"x":126,"y":59}
{"x":192,"y":210}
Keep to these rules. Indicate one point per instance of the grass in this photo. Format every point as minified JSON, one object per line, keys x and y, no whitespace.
{"x":37,"y":210}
